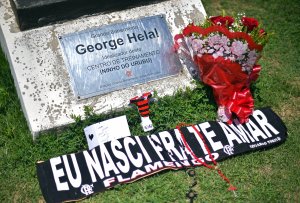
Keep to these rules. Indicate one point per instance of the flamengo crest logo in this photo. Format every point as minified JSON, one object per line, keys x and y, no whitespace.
{"x":87,"y":189}
{"x":228,"y":150}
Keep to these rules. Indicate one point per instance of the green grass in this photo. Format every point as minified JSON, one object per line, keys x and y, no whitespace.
{"x":267,"y":176}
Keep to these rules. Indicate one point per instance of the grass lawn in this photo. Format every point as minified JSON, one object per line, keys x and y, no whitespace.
{"x":266,"y":176}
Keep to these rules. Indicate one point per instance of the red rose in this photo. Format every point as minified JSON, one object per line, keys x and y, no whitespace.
{"x":222,"y":20}
{"x":250,"y":23}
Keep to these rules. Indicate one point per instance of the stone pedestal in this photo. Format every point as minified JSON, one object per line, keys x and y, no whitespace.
{"x":42,"y":79}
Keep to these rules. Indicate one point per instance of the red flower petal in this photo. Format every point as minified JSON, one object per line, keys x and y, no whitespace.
{"x":250,"y":23}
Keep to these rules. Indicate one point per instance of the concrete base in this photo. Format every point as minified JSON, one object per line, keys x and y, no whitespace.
{"x":41,"y":77}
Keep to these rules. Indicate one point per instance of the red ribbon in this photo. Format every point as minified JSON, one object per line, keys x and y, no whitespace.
{"x":176,"y":40}
{"x":255,"y":73}
{"x":188,"y":30}
{"x":242,"y":104}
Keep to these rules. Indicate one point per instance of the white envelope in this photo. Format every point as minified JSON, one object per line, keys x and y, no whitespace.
{"x":106,"y":131}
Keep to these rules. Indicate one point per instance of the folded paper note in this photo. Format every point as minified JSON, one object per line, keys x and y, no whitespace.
{"x":106,"y":131}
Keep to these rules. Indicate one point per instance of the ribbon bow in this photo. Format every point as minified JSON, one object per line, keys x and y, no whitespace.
{"x":255,"y":73}
{"x":242,"y":104}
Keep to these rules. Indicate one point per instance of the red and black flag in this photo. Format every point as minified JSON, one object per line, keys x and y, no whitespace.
{"x":142,"y":103}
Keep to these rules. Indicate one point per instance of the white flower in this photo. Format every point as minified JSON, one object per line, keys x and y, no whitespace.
{"x":217,"y":54}
{"x":197,"y":44}
{"x":231,"y":58}
{"x":211,"y":51}
{"x":238,"y":48}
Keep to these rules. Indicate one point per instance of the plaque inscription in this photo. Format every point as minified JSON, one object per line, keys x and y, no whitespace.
{"x":120,"y":55}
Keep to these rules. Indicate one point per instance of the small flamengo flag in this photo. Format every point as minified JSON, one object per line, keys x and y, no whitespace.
{"x":142,"y":103}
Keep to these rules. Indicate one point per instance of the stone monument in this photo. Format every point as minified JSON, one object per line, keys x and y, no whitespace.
{"x":37,"y":58}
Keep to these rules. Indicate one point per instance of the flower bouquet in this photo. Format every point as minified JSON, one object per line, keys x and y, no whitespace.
{"x":225,"y":50}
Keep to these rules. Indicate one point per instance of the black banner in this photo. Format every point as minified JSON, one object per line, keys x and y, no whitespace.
{"x":76,"y":176}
